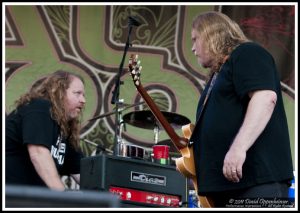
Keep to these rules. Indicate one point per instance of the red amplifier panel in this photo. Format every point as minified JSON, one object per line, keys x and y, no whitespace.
{"x":145,"y":197}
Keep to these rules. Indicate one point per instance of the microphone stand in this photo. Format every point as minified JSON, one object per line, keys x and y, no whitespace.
{"x":99,"y":148}
{"x":115,"y":98}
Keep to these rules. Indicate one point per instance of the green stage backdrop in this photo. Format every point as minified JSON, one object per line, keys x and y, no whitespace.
{"x":90,"y":40}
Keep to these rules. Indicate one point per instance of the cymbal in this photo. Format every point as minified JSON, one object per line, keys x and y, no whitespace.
{"x":169,"y":143}
{"x":146,"y":120}
{"x":124,"y":107}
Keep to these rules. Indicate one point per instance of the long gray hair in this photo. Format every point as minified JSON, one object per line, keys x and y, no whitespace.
{"x":219,"y":34}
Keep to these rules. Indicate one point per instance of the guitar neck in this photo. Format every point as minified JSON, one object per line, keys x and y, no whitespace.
{"x":179,"y":142}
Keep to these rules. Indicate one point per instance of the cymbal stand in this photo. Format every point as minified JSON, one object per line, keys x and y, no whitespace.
{"x":120,"y":142}
{"x":156,"y":133}
{"x":119,"y":125}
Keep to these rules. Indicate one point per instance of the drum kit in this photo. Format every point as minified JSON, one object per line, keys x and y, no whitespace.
{"x":146,"y":120}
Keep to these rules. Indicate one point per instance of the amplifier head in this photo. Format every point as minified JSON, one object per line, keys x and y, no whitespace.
{"x":140,"y":178}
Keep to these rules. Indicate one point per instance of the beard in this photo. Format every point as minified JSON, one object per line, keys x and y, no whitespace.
{"x":74,"y":114}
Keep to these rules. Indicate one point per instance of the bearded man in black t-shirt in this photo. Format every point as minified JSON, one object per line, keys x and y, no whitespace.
{"x":42,"y":133}
{"x":240,"y":141}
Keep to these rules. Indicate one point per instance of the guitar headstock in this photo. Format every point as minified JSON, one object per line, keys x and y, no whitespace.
{"x":135,"y":69}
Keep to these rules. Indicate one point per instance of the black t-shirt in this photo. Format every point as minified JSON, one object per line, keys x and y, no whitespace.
{"x":249,"y":68}
{"x":32,"y":124}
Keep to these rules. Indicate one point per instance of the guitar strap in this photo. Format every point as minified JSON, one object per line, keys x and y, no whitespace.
{"x":212,"y":82}
{"x":214,"y":77}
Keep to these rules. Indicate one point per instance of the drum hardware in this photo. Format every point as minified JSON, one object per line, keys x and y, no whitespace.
{"x":124,"y":149}
{"x":134,"y":152}
{"x":120,"y":142}
{"x":124,"y":107}
{"x":156,"y":133}
{"x":120,"y":125}
{"x":146,"y":120}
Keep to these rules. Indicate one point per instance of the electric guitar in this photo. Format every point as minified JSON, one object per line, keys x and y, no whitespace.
{"x":185,"y":164}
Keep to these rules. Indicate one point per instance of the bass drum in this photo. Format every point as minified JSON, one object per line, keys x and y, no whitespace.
{"x":133,"y":151}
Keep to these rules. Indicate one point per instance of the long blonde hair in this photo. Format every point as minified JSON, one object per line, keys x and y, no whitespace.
{"x":220,"y":34}
{"x":53,"y":88}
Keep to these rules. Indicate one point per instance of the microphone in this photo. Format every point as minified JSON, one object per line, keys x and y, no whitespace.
{"x":133,"y":22}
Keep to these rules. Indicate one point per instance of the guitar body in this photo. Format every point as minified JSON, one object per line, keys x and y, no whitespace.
{"x":185,"y":164}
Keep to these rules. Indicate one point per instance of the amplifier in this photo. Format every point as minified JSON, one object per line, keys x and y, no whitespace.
{"x":137,"y":182}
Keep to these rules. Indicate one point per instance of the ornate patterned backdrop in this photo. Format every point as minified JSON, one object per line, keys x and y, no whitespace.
{"x":90,"y":39}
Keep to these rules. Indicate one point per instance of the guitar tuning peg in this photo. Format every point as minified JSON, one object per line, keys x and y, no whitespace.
{"x":135,"y":77}
{"x":133,"y":72}
{"x":140,"y":68}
